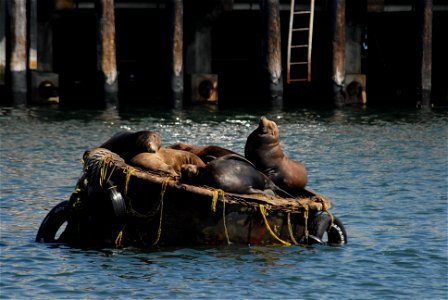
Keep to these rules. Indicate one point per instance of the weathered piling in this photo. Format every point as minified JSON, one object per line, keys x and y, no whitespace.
{"x":338,"y":48}
{"x":106,"y":51}
{"x":424,"y":11}
{"x":2,"y":43}
{"x":176,"y":90}
{"x":45,"y":45}
{"x":271,"y":47}
{"x":18,"y":52}
{"x":32,"y":52}
{"x":356,"y":40}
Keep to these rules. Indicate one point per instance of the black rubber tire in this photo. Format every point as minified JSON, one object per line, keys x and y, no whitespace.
{"x":116,"y":198}
{"x":321,"y":225}
{"x":57,"y":216}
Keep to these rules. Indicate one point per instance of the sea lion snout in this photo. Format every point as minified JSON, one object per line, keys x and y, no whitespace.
{"x":154,"y":142}
{"x":268,"y":127}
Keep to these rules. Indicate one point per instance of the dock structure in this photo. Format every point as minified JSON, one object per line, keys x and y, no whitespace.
{"x":174,"y":53}
{"x":175,"y":50}
{"x":338,"y":50}
{"x":18,"y":51}
{"x":271,"y":51}
{"x":106,"y":51}
{"x":424,"y":59}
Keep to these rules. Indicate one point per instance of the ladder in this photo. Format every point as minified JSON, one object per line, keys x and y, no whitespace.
{"x":300,"y":40}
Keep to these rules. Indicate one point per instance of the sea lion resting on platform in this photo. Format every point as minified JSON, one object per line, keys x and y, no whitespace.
{"x":128,"y":144}
{"x":166,"y":160}
{"x":232,"y":173}
{"x":264,"y":151}
{"x":206,"y":153}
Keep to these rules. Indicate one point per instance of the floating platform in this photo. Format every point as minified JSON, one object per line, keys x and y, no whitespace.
{"x":117,"y":205}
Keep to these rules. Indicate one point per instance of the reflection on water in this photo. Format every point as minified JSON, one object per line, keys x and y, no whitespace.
{"x":384,"y":171}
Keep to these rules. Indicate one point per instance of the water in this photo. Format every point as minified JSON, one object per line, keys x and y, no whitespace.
{"x":386,"y":173}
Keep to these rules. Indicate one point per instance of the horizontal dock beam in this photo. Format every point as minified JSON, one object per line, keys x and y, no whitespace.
{"x":252,"y":6}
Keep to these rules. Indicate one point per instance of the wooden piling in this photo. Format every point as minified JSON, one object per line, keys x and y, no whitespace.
{"x":176,"y":90}
{"x":106,"y":51}
{"x":32,"y":52}
{"x":425,"y":13}
{"x":2,"y":42}
{"x":45,"y":45}
{"x":338,"y":48}
{"x":271,"y":47}
{"x":199,"y":51}
{"x":18,"y":52}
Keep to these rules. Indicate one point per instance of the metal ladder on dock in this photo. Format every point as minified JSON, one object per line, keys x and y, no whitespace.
{"x":300,"y":39}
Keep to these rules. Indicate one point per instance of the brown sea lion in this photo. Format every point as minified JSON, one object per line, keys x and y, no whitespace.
{"x":231,"y":173}
{"x":129,"y":144}
{"x":264,"y":151}
{"x":206,"y":153}
{"x":166,"y":160}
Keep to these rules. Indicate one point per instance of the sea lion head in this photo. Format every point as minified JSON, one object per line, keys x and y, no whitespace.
{"x":149,"y":140}
{"x":268,"y":127}
{"x":188,"y":172}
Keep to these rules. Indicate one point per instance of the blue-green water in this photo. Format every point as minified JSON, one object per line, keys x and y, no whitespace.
{"x":386,"y":173}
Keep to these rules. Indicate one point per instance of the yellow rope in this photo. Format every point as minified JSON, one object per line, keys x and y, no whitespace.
{"x":119,"y":238}
{"x":150,"y":213}
{"x":305,"y":218}
{"x":106,"y":170}
{"x":331,"y":216}
{"x":102,"y":176}
{"x":159,"y":230}
{"x":290,"y":230}
{"x":263,"y":214}
{"x":325,"y":207}
{"x":324,"y":201}
{"x":111,"y":172}
{"x":162,"y":194}
{"x":77,"y":204}
{"x":136,"y":214}
{"x":224,"y":220}
{"x":216,"y":194}
{"x":129,"y":172}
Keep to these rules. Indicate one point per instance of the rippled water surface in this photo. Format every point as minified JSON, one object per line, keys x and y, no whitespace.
{"x":386,"y":173}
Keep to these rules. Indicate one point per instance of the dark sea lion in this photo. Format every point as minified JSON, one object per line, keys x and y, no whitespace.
{"x":206,"y":153}
{"x":166,"y":160}
{"x":264,"y":151}
{"x":128,"y":144}
{"x":231,"y":173}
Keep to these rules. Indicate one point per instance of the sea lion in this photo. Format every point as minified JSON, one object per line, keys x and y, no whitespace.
{"x":166,"y":160}
{"x":206,"y":153}
{"x":129,"y":144}
{"x":264,"y":151}
{"x":231,"y":173}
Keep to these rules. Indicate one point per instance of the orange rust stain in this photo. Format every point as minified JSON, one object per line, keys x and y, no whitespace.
{"x":33,"y":64}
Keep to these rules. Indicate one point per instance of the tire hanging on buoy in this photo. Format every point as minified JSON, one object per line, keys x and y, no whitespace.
{"x":116,"y":198}
{"x":322,"y":225}
{"x":57,"y":216}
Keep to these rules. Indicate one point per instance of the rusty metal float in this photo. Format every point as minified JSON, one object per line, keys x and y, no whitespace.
{"x":117,"y":205}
